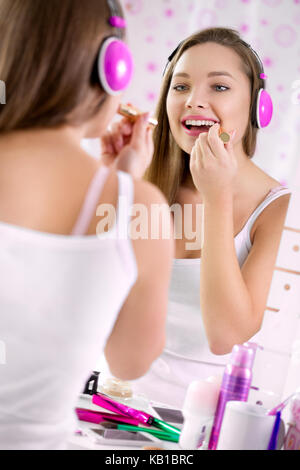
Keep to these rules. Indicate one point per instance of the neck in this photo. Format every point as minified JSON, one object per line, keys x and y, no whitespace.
{"x":63,"y":135}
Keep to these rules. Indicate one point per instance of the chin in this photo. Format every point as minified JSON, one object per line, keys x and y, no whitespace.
{"x":187,"y":147}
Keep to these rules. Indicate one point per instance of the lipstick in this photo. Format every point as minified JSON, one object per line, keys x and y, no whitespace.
{"x":120,"y":408}
{"x":133,"y":113}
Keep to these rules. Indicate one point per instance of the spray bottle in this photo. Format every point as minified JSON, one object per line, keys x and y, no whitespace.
{"x":235,"y":385}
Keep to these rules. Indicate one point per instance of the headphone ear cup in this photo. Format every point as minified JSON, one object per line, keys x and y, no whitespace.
{"x":263,"y":109}
{"x":115,"y":65}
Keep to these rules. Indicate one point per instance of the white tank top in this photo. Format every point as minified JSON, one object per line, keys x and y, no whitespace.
{"x":59,"y":299}
{"x":187,"y":356}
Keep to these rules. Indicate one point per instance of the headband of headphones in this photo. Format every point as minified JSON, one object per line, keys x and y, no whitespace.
{"x":263,"y":106}
{"x":115,"y":20}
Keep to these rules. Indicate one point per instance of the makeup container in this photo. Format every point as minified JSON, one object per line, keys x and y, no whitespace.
{"x":245,"y":427}
{"x":235,"y":386}
{"x":224,"y":136}
{"x":115,"y":388}
{"x":198,"y":410}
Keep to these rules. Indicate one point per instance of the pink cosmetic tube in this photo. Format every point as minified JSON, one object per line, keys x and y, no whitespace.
{"x":111,"y":405}
{"x":97,"y":418}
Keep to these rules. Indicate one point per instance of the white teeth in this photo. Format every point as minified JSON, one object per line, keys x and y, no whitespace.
{"x":189,"y":122}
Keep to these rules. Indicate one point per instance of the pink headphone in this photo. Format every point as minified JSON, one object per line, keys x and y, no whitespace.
{"x":115,"y":61}
{"x":263,"y":106}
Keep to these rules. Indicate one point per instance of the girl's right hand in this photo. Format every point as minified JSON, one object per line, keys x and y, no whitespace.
{"x":129,"y":146}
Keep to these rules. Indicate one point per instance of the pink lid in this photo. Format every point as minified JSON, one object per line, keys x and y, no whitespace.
{"x":202,"y":397}
{"x":242,"y":356}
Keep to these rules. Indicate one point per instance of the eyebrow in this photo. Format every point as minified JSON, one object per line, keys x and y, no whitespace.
{"x":210,"y":74}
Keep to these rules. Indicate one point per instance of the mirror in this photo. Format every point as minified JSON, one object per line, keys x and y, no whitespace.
{"x":259,"y":184}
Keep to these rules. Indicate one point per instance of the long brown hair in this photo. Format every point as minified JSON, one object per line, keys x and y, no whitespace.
{"x":170,"y":164}
{"x":48,"y":53}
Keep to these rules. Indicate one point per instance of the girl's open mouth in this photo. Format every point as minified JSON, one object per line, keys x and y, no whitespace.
{"x":196,"y":127}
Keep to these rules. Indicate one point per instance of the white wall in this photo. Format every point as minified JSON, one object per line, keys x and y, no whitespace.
{"x":277,"y":368}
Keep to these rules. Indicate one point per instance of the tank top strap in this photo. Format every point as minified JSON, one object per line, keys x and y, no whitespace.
{"x":273,"y":194}
{"x":125,"y":201}
{"x":270,"y":197}
{"x":124,"y":213}
{"x":90,"y":203}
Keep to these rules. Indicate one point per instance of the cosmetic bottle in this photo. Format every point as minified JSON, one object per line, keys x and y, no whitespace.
{"x":198,"y":411}
{"x":235,"y":385}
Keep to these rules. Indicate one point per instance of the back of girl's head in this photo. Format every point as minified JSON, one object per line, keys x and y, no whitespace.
{"x":164,"y":142}
{"x":48,"y":52}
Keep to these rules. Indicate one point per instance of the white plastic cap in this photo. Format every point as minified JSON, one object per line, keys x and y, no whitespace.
{"x":202,"y":397}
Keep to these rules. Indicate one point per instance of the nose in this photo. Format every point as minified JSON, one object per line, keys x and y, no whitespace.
{"x":197,"y":99}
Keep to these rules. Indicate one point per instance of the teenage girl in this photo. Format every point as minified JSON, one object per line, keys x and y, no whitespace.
{"x":213,"y":83}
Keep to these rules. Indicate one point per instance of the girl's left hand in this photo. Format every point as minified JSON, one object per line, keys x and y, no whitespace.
{"x":213,"y":164}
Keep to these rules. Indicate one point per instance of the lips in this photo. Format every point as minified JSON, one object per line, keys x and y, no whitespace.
{"x":195,"y":132}
{"x":198,"y":117}
{"x":197,"y":124}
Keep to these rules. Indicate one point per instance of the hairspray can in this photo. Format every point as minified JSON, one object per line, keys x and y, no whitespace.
{"x":235,"y":386}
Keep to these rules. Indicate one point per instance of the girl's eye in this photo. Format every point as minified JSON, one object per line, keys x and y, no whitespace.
{"x":179,"y":87}
{"x":221,"y":86}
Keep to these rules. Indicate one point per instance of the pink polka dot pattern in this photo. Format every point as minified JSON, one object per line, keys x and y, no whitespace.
{"x":156,"y":27}
{"x":285,"y":35}
{"x":244,"y":28}
{"x":169,"y":13}
{"x":207,"y":18}
{"x":267,"y":61}
{"x":151,"y":67}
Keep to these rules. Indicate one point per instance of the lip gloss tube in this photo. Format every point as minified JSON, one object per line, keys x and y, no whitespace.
{"x":133,"y":113}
